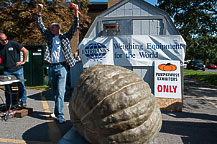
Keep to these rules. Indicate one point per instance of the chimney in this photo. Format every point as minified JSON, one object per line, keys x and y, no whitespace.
{"x":112,"y":2}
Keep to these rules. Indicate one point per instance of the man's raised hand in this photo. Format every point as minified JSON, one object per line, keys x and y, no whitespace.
{"x":40,"y":7}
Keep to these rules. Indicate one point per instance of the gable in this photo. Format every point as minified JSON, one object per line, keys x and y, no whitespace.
{"x":134,"y":17}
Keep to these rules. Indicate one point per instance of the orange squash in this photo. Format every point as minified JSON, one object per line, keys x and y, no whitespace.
{"x":167,"y":67}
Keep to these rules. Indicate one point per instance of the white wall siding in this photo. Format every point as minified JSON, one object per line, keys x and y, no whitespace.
{"x":147,"y":27}
{"x":135,"y":17}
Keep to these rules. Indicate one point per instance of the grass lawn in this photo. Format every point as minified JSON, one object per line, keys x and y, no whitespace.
{"x":38,"y":87}
{"x":210,"y":78}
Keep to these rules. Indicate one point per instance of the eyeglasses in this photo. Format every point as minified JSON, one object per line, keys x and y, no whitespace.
{"x":3,"y":40}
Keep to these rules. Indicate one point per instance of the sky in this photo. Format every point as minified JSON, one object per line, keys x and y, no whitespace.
{"x":153,"y":2}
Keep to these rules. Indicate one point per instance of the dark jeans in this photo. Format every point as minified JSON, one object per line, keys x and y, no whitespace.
{"x":21,"y":87}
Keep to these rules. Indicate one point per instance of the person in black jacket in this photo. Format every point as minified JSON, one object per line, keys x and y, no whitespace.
{"x":10,"y":55}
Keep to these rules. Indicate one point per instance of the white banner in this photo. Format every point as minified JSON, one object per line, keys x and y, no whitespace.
{"x":167,"y":79}
{"x":132,"y":50}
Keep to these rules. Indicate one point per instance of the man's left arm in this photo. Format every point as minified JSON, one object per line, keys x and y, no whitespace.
{"x":25,"y":55}
{"x":75,"y":25}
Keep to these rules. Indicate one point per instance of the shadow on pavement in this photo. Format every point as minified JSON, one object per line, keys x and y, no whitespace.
{"x":191,"y":132}
{"x":199,"y":116}
{"x":38,"y":133}
{"x":195,"y":87}
{"x":42,"y":132}
{"x":40,"y":115}
{"x":49,"y":96}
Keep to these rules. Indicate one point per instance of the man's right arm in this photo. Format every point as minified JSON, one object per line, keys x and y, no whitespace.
{"x":39,"y":20}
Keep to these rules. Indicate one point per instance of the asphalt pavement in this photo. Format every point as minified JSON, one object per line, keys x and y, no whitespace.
{"x":196,"y":124}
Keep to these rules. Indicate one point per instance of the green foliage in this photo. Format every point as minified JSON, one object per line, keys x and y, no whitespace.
{"x":196,"y":21}
{"x":210,"y":78}
{"x":17,"y":18}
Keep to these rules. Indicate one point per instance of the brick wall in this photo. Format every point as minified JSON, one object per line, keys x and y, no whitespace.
{"x":112,"y":2}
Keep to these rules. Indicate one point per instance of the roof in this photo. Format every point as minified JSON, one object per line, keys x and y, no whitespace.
{"x":160,"y":14}
{"x":97,"y":6}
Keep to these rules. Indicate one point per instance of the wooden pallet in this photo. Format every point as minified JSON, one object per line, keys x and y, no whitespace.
{"x":23,"y":112}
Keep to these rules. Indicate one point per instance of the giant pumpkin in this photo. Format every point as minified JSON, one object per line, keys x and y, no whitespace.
{"x":113,"y":105}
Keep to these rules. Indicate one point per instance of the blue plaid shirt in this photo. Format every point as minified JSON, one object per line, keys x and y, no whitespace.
{"x":64,"y":39}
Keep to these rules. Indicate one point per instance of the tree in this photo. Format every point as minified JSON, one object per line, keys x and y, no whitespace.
{"x":17,"y":18}
{"x":196,"y":22}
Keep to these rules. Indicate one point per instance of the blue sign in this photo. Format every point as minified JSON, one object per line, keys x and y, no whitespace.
{"x":95,"y":51}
